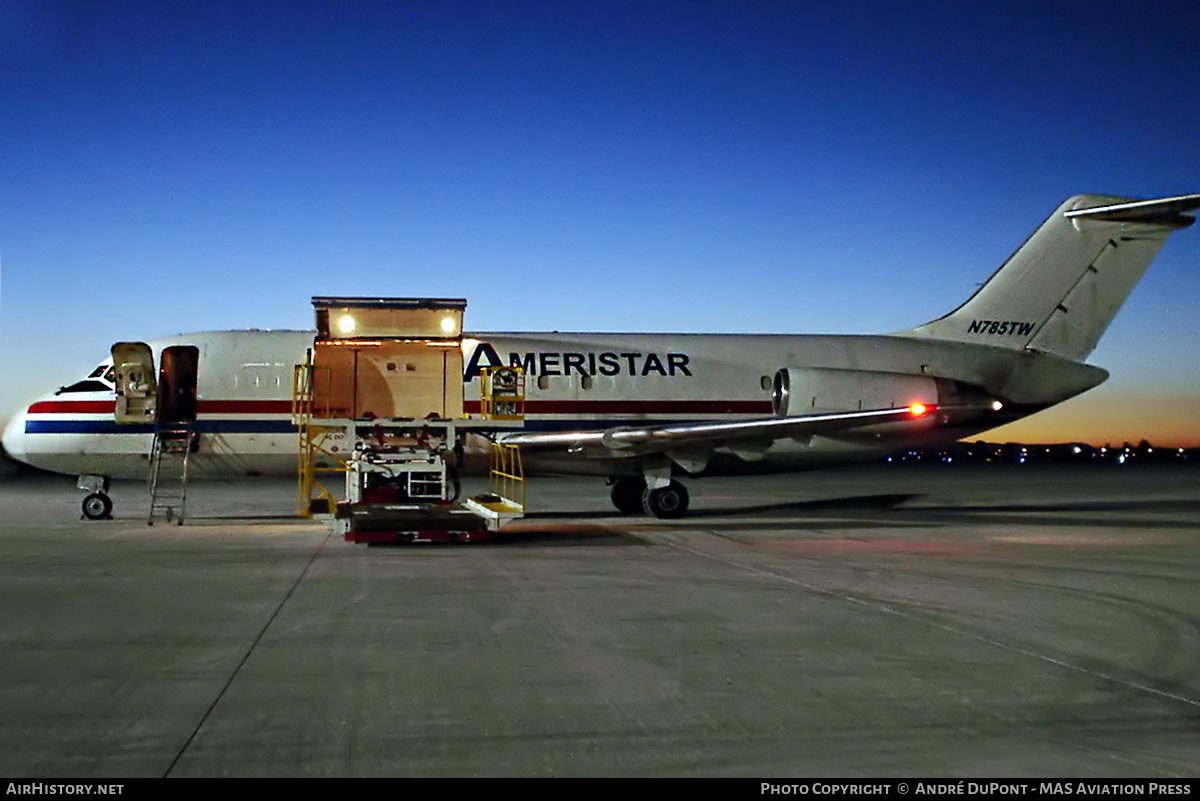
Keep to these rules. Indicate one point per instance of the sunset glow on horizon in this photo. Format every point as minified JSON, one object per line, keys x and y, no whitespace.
{"x":1099,"y":419}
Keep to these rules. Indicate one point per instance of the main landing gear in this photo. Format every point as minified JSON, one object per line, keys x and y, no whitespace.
{"x":627,"y":492}
{"x":667,"y":502}
{"x":631,"y":495}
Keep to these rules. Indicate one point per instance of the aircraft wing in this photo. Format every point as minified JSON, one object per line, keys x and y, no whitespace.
{"x":733,"y":434}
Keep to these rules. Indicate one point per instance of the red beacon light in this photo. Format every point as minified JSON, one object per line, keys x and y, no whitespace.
{"x":918,"y":409}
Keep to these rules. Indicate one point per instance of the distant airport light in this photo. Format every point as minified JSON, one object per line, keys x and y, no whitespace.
{"x":997,"y":406}
{"x":346,"y":324}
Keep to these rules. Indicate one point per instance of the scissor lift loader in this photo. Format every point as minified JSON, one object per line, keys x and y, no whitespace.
{"x":380,"y":400}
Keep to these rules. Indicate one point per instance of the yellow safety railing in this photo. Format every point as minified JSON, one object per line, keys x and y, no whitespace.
{"x":507,"y":474}
{"x":313,"y":456}
{"x":502,"y":393}
{"x":302,"y":391}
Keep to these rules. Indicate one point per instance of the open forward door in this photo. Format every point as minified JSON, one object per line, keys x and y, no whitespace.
{"x":137,"y":387}
{"x":177,"y":379}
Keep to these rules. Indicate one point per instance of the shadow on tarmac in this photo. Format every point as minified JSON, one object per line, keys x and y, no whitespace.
{"x":521,"y":534}
{"x":890,"y":509}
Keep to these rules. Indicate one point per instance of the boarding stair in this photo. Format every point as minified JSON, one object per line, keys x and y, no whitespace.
{"x":173,"y":443}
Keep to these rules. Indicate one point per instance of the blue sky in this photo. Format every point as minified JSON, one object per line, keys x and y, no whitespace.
{"x":596,"y":166}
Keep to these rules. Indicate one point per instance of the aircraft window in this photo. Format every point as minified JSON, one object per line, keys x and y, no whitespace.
{"x":765,"y":383}
{"x":543,"y":382}
{"x":88,"y":385}
{"x":105,"y":372}
{"x":586,"y":382}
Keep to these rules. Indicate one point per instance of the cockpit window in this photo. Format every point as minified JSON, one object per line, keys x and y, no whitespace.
{"x":89,"y":385}
{"x":99,"y":380}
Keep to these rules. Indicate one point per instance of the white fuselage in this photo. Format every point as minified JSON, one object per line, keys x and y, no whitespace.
{"x":575,"y":382}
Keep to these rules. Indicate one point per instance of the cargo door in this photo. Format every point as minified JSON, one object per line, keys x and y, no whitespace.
{"x":414,"y":380}
{"x":137,"y":391}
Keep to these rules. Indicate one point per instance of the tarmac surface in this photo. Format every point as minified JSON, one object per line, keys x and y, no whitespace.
{"x":918,"y":622}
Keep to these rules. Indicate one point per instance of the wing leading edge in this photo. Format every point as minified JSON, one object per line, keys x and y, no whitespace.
{"x":736,"y":435}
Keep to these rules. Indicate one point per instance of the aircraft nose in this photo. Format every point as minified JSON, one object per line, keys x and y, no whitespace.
{"x":14,"y":437}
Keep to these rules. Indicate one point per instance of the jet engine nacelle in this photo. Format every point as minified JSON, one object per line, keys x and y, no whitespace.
{"x":816,"y":390}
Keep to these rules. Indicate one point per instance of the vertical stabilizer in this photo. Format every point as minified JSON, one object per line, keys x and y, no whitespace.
{"x":1061,"y":289}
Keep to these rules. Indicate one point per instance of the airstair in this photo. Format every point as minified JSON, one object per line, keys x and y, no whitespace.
{"x":173,"y":442}
{"x":166,"y":401}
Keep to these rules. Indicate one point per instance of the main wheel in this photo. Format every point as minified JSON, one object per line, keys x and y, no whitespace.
{"x":667,"y":502}
{"x":627,"y":494}
{"x":97,"y":506}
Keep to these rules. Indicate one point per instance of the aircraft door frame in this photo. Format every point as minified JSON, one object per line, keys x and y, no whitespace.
{"x":178,"y":374}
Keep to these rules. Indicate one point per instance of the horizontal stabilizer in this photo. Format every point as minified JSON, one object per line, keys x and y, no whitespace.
{"x":1163,"y":211}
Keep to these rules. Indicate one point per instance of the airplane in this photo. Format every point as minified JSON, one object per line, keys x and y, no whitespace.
{"x":645,"y":410}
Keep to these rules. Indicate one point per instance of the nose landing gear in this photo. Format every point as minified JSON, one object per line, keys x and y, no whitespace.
{"x":97,"y":506}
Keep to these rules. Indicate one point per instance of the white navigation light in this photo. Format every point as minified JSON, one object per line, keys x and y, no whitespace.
{"x":997,"y":406}
{"x":346,"y":324}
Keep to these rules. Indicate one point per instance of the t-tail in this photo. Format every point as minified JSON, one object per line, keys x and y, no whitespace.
{"x":1058,"y":293}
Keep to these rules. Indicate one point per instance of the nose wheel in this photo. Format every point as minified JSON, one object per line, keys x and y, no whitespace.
{"x":97,"y":506}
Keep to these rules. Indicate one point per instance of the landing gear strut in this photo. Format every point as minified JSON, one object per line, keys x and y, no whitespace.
{"x":667,"y":502}
{"x":627,"y":492}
